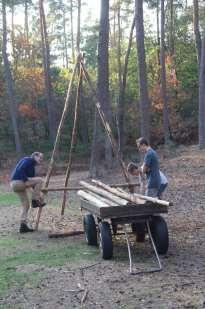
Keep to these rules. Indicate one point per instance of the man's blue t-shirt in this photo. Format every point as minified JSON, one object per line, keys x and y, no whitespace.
{"x":153,"y":176}
{"x":25,"y":168}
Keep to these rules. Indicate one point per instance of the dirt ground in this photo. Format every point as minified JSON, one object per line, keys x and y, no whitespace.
{"x":108,"y":284}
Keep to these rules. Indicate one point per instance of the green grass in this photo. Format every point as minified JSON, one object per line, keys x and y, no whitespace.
{"x":21,"y":251}
{"x":8,"y":198}
{"x":16,"y":252}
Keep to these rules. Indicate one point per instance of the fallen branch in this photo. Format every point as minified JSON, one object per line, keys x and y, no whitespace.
{"x":84,"y":296}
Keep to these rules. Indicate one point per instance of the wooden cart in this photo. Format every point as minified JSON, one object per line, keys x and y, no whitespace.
{"x":101,"y":223}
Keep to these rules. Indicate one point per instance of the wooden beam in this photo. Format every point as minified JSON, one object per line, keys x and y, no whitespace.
{"x":120,"y":185}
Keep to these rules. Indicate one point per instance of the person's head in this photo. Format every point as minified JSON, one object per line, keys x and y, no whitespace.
{"x":37,"y":156}
{"x":132,"y":169}
{"x":142,"y":144}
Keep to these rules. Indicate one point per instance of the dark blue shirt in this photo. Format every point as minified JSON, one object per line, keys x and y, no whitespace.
{"x":25,"y":168}
{"x":153,"y":175}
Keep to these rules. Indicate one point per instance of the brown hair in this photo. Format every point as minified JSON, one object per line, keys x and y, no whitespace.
{"x":142,"y":141}
{"x":131,"y":167}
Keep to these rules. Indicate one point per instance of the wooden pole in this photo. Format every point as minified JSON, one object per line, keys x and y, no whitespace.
{"x":104,"y":193}
{"x":38,"y":218}
{"x":131,"y":197}
{"x":89,"y":197}
{"x":120,"y":185}
{"x":66,"y":106}
{"x":51,"y":164}
{"x":73,"y":140}
{"x":99,"y":197}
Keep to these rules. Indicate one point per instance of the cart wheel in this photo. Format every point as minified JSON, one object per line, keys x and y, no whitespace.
{"x":159,"y":231}
{"x":105,"y":240}
{"x":139,"y":230}
{"x":90,"y":230}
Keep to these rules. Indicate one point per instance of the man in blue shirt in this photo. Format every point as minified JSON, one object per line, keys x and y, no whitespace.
{"x":23,"y":178}
{"x":150,"y":167}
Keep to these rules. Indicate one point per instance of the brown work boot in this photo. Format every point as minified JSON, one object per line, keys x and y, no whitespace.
{"x":37,"y":203}
{"x":24,"y":228}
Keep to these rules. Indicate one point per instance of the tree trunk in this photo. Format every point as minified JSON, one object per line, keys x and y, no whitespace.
{"x":78,"y":28}
{"x":202,"y":97}
{"x":71,"y":26}
{"x":121,"y":99}
{"x":158,"y":36}
{"x":163,"y":78}
{"x":102,"y":93}
{"x":26,"y":30}
{"x":46,"y":63}
{"x":171,"y":30}
{"x":9,"y":83}
{"x":14,"y":54}
{"x":65,"y":39}
{"x":196,"y":31}
{"x":144,"y":99}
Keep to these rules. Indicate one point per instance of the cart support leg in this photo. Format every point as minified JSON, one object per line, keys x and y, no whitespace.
{"x":155,"y":251}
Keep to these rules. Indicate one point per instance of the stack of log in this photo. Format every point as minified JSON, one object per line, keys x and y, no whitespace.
{"x":103,"y":195}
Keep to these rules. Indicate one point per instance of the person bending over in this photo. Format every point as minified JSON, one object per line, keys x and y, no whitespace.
{"x":23,"y":178}
{"x":150,"y":167}
{"x":134,"y":170}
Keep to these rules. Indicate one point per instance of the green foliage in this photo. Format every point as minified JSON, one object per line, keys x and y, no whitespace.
{"x":27,"y":71}
{"x":89,"y":45}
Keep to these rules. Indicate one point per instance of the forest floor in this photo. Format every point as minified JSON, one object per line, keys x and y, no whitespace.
{"x":41,"y":272}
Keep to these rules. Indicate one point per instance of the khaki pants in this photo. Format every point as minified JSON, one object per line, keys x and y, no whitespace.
{"x":20,"y":188}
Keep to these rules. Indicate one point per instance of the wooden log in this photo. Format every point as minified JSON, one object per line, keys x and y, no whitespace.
{"x":89,"y":197}
{"x":131,"y":197}
{"x":53,"y":189}
{"x":65,"y":234}
{"x":103,"y":199}
{"x":38,"y":218}
{"x":118,"y":200}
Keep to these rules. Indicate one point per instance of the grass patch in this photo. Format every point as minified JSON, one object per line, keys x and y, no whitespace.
{"x":8,"y":198}
{"x":14,"y":254}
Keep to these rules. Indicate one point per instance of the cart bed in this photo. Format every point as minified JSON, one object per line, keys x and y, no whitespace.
{"x":118,"y":211}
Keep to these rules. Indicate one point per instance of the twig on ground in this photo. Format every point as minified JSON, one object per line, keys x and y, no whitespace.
{"x":84,"y":296}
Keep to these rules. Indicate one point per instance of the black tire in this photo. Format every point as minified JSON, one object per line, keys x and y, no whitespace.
{"x":90,"y":230}
{"x":139,"y":229}
{"x":105,"y":240}
{"x":159,"y":231}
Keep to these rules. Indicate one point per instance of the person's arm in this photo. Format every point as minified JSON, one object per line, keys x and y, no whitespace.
{"x":146,"y":164}
{"x":144,"y":168}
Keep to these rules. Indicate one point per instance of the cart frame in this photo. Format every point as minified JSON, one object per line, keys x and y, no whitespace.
{"x":145,"y":213}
